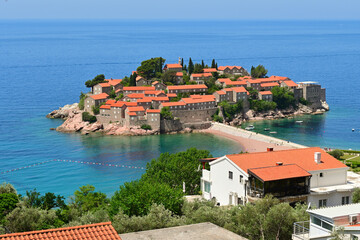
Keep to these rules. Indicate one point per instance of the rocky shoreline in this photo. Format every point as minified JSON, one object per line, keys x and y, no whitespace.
{"x":73,"y":123}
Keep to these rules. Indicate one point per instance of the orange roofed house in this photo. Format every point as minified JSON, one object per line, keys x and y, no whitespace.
{"x":233,"y":70}
{"x":201,"y":88}
{"x":103,"y":231}
{"x":173,"y":67}
{"x":308,"y":175}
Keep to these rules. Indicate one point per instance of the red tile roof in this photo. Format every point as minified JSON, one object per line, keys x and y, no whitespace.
{"x":290,"y":83}
{"x":139,"y":78}
{"x":186,"y":87}
{"x":197,"y":100}
{"x":175,"y":65}
{"x":153,"y":110}
{"x":239,"y":89}
{"x":228,"y":89}
{"x":159,"y":99}
{"x":130,"y":104}
{"x":220,"y":92}
{"x":145,"y":99}
{"x":250,"y":80}
{"x":224,"y":80}
{"x":236,"y":83}
{"x":113,"y":82}
{"x":202,"y":96}
{"x":304,"y":158}
{"x":201,"y":75}
{"x":99,"y":96}
{"x":270,"y":84}
{"x":105,"y":107}
{"x":138,"y":88}
{"x":132,"y":113}
{"x":118,"y":104}
{"x":209,"y":70}
{"x":110,"y":101}
{"x":136,"y":109}
{"x":136,"y":95}
{"x":265,"y":93}
{"x":152,"y":92}
{"x":105,"y":84}
{"x":154,"y":83}
{"x":274,"y":173}
{"x":279,"y":78}
{"x":171,"y":95}
{"x":104,"y":231}
{"x":179,"y":74}
{"x":170,"y":104}
{"x":222,"y":68}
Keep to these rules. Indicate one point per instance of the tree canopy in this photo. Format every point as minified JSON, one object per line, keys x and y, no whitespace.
{"x":150,"y":67}
{"x":98,"y":79}
{"x":258,"y":72}
{"x":283,"y":97}
{"x":169,"y":77}
{"x":165,"y":113}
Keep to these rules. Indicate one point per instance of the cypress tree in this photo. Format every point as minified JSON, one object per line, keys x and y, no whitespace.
{"x":133,"y":79}
{"x":216,"y":66}
{"x":213,"y":64}
{"x":182,"y":62}
{"x":202,"y":63}
{"x":159,"y":67}
{"x":191,"y":67}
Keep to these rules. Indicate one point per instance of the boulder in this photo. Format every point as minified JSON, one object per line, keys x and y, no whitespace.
{"x":64,"y":111}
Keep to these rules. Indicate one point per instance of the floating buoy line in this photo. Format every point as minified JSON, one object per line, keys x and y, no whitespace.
{"x":72,"y":161}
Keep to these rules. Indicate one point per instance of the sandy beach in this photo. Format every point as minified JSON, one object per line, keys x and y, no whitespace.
{"x":247,"y":144}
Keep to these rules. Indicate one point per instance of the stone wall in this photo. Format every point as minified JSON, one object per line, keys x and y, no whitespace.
{"x":191,"y":116}
{"x":170,"y":126}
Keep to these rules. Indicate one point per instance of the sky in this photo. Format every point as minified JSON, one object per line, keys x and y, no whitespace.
{"x":182,"y":9}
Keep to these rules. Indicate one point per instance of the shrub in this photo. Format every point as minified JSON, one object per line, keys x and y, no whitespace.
{"x":303,"y":101}
{"x":356,"y":195}
{"x":166,"y":114}
{"x":95,"y":109}
{"x":283,"y":97}
{"x":82,"y":100}
{"x":146,"y":127}
{"x":217,"y":118}
{"x":336,"y":153}
{"x":261,"y":105}
{"x":87,"y":117}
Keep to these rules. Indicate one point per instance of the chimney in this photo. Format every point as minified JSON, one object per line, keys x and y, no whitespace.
{"x":269,"y":149}
{"x":317,"y":157}
{"x":279,"y":164}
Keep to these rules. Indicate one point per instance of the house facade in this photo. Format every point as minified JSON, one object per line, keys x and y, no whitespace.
{"x":201,"y":88}
{"x":308,"y":175}
{"x":173,"y":67}
{"x":266,"y":96}
{"x":232,"y":70}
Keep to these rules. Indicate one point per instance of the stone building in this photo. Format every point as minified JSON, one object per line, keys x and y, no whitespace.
{"x":232,"y":70}
{"x":265,"y":95}
{"x":201,"y":88}
{"x":94,"y":100}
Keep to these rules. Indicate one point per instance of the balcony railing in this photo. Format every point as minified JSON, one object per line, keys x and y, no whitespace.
{"x":301,"y":230}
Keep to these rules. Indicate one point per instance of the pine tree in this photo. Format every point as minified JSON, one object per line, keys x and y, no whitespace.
{"x":182,"y":62}
{"x":213,"y":64}
{"x":202,"y":63}
{"x":159,"y":67}
{"x":191,"y":67}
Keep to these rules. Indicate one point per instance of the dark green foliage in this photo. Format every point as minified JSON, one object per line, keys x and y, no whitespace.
{"x":146,"y":127}
{"x":87,"y":117}
{"x":217,"y":118}
{"x":132,"y":80}
{"x":180,"y":96}
{"x":213,"y":64}
{"x":190,"y":67}
{"x":98,"y":79}
{"x":150,"y":67}
{"x":174,"y":169}
{"x":119,"y":97}
{"x":86,"y":199}
{"x":198,"y":68}
{"x":336,"y":153}
{"x":95,"y":109}
{"x":182,"y":62}
{"x":169,"y":76}
{"x":8,"y":203}
{"x":230,"y":110}
{"x":136,"y":198}
{"x":166,"y":114}
{"x":303,"y":101}
{"x":81,"y":101}
{"x":202,"y":64}
{"x":112,"y":94}
{"x":46,"y":202}
{"x":258,"y":72}
{"x":126,"y":81}
{"x":283,"y":97}
{"x":253,"y":93}
{"x":356,"y":196}
{"x":212,"y":86}
{"x":261,"y":105}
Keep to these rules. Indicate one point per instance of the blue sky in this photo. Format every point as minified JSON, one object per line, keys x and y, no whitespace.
{"x":181,"y":9}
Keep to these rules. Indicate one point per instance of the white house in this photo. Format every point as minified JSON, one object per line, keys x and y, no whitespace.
{"x":299,"y":175}
{"x":323,"y":221}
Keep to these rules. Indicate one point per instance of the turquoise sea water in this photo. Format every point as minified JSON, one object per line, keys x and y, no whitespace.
{"x":44,"y":64}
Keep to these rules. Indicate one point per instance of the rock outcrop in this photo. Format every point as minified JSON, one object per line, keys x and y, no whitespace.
{"x":63,"y":112}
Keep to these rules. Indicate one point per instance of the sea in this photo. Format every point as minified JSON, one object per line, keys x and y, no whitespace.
{"x":44,"y":64}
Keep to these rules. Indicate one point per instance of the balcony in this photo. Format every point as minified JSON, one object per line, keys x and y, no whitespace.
{"x":301,"y":230}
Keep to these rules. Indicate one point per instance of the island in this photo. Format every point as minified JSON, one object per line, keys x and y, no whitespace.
{"x":171,"y":98}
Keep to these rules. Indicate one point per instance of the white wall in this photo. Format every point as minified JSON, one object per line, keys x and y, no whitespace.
{"x":333,"y":199}
{"x":222,"y":186}
{"x":330,"y":177}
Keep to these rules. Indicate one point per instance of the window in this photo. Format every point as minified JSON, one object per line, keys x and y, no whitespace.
{"x":345,"y":200}
{"x":322,"y":203}
{"x":321,"y":174}
{"x":206,"y":186}
{"x":241,"y":178}
{"x":230,"y":175}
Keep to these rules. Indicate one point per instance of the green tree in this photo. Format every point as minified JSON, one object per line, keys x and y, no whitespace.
{"x":86,"y":199}
{"x":182,"y":62}
{"x":169,"y":76}
{"x":202,"y":64}
{"x":81,"y":101}
{"x":7,"y":188}
{"x":261,"y":105}
{"x":258,"y":72}
{"x":230,"y":110}
{"x":336,"y":153}
{"x":8,"y":202}
{"x":283,"y":97}
{"x":150,"y":67}
{"x":33,"y":199}
{"x":98,"y":79}
{"x":166,"y":114}
{"x":87,"y":117}
{"x":95,"y":109}
{"x":132,"y":81}
{"x":356,"y":196}
{"x":190,"y":67}
{"x":175,"y":169}
{"x":198,"y":68}
{"x":253,"y":93}
{"x":213,"y":64}
{"x":136,"y":198}
{"x":112,"y":94}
